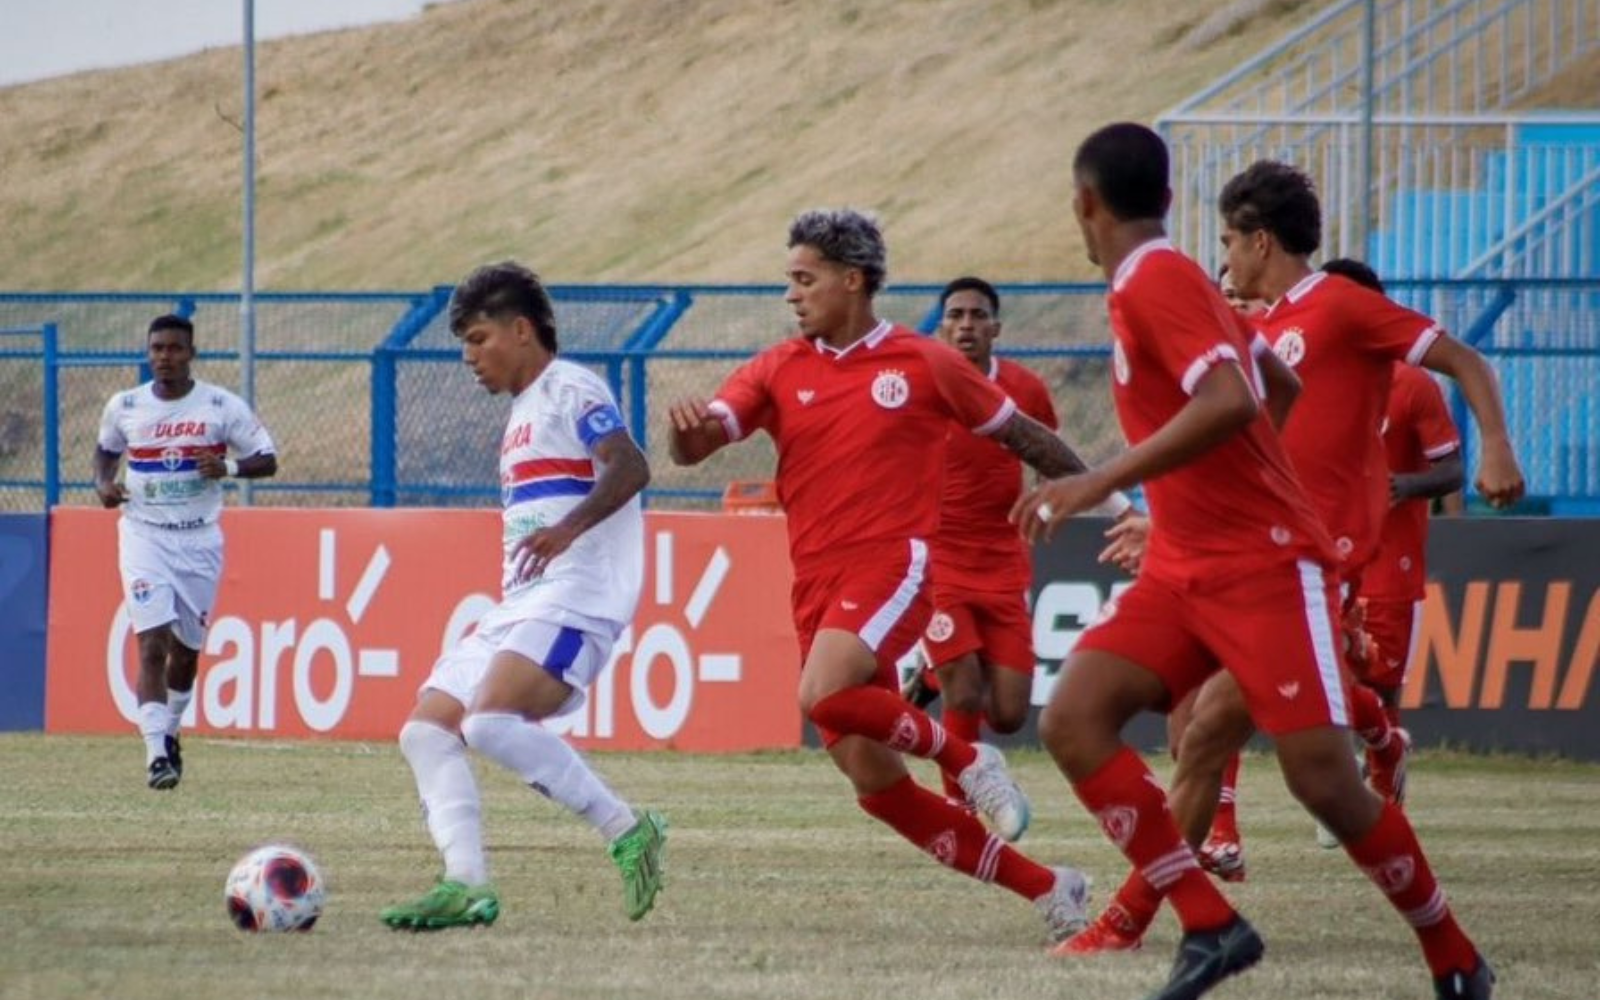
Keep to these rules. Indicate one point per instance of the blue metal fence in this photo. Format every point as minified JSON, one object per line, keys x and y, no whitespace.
{"x":367,"y":398}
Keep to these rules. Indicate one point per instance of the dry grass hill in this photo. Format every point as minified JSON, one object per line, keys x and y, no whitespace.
{"x":625,"y":140}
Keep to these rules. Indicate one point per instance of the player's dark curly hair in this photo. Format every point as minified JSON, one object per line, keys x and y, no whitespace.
{"x":969,"y":283}
{"x":500,"y":291}
{"x":1278,"y":198}
{"x":1126,"y":164}
{"x":844,"y":236}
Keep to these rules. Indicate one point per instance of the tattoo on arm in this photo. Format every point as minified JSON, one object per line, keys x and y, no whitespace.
{"x":1038,"y":446}
{"x":624,"y":473}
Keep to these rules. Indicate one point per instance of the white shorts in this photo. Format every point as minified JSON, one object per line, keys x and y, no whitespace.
{"x":170,"y":577}
{"x":572,"y":653}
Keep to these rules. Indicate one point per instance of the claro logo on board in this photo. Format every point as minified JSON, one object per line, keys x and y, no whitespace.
{"x":245,"y":662}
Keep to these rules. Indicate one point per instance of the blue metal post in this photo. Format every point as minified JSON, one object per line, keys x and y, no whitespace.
{"x":385,"y":428}
{"x":386,"y":393}
{"x":52,"y":418}
{"x":653,"y":331}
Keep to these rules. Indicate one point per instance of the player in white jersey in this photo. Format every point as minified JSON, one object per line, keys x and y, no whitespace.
{"x":176,"y":432}
{"x":573,"y":543}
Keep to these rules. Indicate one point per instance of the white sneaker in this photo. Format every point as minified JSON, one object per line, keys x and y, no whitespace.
{"x":989,"y":787}
{"x":1065,"y":908}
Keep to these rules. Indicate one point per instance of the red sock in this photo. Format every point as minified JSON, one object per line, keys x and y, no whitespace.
{"x":1132,"y":809}
{"x":955,"y":838}
{"x":963,"y":726}
{"x":1226,"y":820}
{"x":1391,"y":704}
{"x":1391,"y":857}
{"x":884,"y":717}
{"x":1138,"y":899}
{"x":1368,"y":717}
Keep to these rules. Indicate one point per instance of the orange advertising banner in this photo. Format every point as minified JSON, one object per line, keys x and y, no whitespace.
{"x":327,"y":622}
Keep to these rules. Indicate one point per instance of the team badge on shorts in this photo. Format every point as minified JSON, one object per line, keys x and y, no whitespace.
{"x":140,"y":591}
{"x":941,"y":627}
{"x":890,"y":389}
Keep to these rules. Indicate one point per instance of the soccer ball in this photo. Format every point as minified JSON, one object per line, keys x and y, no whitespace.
{"x":274,"y":888}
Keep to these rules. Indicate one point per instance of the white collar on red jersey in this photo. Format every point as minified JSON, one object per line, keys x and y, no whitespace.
{"x":1304,"y":286}
{"x":994,"y":367}
{"x":1131,"y":262}
{"x":871,"y":339}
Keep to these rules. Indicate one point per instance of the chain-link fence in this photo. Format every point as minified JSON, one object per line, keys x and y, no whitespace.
{"x":370,"y":404}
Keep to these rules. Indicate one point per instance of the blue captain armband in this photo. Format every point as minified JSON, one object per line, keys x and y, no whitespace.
{"x":598,"y":421}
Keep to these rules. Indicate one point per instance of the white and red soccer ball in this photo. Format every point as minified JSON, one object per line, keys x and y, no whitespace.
{"x":275,"y":888}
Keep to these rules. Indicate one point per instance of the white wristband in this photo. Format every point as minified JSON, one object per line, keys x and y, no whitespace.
{"x":231,"y":466}
{"x":1115,"y":505}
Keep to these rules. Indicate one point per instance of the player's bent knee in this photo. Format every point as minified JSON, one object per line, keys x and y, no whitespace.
{"x":422,"y":740}
{"x":1005,"y":721}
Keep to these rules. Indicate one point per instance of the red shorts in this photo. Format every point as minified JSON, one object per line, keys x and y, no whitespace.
{"x":1393,"y":626}
{"x":1276,"y":632}
{"x":996,"y":626}
{"x":880,"y":593}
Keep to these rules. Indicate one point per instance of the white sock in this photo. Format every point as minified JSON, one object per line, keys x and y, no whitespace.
{"x":550,"y":765}
{"x":153,"y":721}
{"x":450,"y":801}
{"x":177,"y":704}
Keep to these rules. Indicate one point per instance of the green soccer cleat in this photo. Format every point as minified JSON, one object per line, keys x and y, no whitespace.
{"x":638,"y":856}
{"x":448,"y":904}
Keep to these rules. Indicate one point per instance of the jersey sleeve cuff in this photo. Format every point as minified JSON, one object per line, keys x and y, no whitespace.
{"x":1198,"y":368}
{"x":994,"y":423}
{"x":1424,"y":341}
{"x":730,"y":423}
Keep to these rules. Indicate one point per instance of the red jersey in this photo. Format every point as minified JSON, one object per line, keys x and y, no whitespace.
{"x":1416,"y":432}
{"x":977,"y":547}
{"x":1343,"y":339}
{"x":860,"y":433}
{"x":1236,"y":507}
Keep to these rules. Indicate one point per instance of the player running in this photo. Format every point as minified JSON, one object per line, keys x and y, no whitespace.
{"x":859,"y":409}
{"x":176,"y":432}
{"x":573,"y":550}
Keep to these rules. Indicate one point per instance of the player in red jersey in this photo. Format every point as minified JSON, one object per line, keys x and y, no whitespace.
{"x":1423,"y":450}
{"x":980,"y":638}
{"x":1240,"y":575}
{"x":858,"y":409}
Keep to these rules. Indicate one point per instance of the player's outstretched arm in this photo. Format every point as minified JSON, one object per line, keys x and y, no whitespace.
{"x":694,"y":432}
{"x":1499,"y":477}
{"x":1223,"y":404}
{"x":622,"y":473}
{"x":106,"y":487}
{"x":1038,"y":446}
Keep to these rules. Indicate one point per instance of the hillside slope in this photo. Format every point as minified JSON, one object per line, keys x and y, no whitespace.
{"x":668,"y":140}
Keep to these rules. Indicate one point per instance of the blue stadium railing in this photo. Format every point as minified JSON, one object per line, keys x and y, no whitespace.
{"x":1542,"y":336}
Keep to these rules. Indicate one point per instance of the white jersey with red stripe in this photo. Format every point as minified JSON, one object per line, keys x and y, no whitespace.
{"x":164,"y":439}
{"x":547,"y":467}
